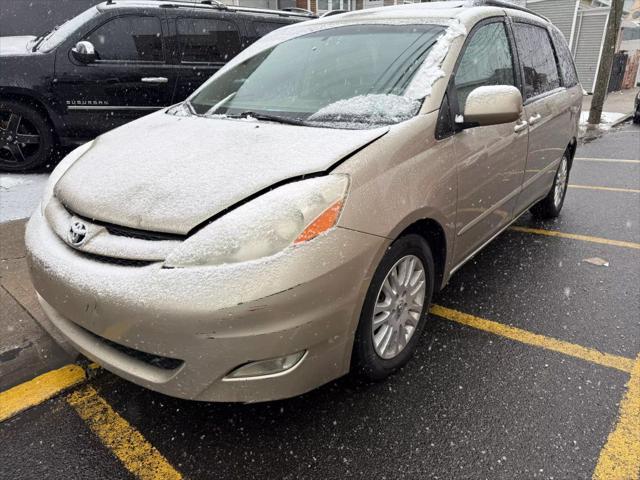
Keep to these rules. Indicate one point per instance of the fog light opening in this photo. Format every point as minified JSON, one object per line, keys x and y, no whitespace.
{"x":268,"y":367}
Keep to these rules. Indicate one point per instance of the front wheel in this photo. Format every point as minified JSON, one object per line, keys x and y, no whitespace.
{"x":395,"y":309}
{"x":550,"y":206}
{"x":26,"y":138}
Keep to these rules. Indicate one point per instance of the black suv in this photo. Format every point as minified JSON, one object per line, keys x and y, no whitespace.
{"x":111,"y":64}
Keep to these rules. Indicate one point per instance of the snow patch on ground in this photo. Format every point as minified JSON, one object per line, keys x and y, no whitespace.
{"x":606,"y":120}
{"x":20,"y":195}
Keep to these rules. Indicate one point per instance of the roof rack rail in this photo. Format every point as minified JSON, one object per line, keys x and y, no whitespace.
{"x":214,"y":3}
{"x":504,"y":4}
{"x":331,"y":13}
{"x":298,"y":10}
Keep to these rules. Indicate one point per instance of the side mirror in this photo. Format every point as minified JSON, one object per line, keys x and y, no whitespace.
{"x":491,"y":105}
{"x":84,"y":52}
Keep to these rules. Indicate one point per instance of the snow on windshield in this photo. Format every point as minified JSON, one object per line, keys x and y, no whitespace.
{"x":378,"y":109}
{"x":431,"y":70}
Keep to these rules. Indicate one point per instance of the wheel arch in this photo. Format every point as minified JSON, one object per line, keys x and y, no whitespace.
{"x":434,"y":234}
{"x":29,"y":98}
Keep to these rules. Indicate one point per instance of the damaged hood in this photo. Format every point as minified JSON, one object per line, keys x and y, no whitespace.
{"x":167,"y":173}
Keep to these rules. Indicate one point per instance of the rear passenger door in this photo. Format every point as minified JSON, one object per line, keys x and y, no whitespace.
{"x":546,"y":104}
{"x":203,"y":44}
{"x":490,"y":158}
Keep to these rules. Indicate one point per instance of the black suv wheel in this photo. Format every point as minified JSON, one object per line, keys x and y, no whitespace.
{"x":26,"y":139}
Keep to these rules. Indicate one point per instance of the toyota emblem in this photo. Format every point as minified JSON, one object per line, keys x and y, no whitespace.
{"x":77,"y":233}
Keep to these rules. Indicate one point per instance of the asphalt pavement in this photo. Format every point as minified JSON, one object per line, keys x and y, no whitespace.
{"x":530,"y":368}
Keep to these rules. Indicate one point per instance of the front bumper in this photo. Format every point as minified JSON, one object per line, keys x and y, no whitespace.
{"x":207,"y":321}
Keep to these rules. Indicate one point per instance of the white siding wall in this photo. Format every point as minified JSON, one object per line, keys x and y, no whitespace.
{"x":588,"y":44}
{"x":560,"y":12}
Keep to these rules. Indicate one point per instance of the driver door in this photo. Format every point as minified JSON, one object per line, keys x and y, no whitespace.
{"x":129,"y":78}
{"x":491,"y":159}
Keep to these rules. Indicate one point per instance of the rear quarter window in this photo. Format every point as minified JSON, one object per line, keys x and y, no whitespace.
{"x":262,"y":28}
{"x":565,"y":59}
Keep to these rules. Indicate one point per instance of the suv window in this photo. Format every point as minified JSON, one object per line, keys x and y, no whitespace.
{"x":129,"y":38}
{"x":262,"y":28}
{"x":486,"y":60}
{"x":538,"y":59}
{"x":565,"y":59}
{"x":207,"y":40}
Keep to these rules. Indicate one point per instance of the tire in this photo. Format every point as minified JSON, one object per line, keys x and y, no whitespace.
{"x":636,"y":117}
{"x":550,"y":206}
{"x":370,"y":360}
{"x":19,"y":121}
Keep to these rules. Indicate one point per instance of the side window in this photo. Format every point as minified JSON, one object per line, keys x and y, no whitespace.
{"x":262,"y":28}
{"x":538,"y":59}
{"x":486,"y":60}
{"x":130,"y":38}
{"x":565,"y":59}
{"x":207,"y":40}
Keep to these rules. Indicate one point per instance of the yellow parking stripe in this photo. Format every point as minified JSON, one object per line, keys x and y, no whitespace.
{"x":523,"y":336}
{"x":136,"y":454}
{"x":620,"y":457}
{"x":606,"y":160}
{"x":574,"y":236}
{"x":36,"y":391}
{"x":608,"y":189}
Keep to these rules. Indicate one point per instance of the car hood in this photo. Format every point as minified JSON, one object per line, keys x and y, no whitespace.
{"x":167,"y":173}
{"x":13,"y":46}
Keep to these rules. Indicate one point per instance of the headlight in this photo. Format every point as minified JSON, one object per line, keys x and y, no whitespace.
{"x":60,"y":170}
{"x":291,"y":214}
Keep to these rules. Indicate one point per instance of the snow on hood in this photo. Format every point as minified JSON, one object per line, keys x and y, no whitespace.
{"x":168,"y":174}
{"x":16,"y":45}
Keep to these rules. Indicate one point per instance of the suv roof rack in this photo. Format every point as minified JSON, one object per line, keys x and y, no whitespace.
{"x":504,"y":4}
{"x":217,"y":4}
{"x":298,"y":10}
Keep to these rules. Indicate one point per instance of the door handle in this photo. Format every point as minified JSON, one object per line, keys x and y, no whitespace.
{"x":154,"y":79}
{"x":535,"y":119}
{"x":518,"y":127}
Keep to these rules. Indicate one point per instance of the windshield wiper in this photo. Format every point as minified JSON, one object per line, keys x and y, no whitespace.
{"x":42,"y":37}
{"x":268,"y":118}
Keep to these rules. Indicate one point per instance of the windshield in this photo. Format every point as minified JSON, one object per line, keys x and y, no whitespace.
{"x":343,"y":77}
{"x":56,"y":36}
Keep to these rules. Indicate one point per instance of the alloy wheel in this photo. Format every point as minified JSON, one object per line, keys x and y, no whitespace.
{"x":561,"y":182}
{"x":398,"y":307}
{"x":19,"y":138}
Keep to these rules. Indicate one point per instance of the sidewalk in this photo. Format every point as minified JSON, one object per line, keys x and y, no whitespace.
{"x":618,"y":107}
{"x":26,"y":348}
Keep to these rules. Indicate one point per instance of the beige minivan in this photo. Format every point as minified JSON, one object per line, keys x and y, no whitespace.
{"x":291,"y":220}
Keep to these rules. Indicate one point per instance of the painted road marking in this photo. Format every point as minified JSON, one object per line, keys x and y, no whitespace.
{"x":607,"y":160}
{"x":41,"y":388}
{"x":574,"y":236}
{"x":588,"y":354}
{"x":608,"y":189}
{"x":136,"y":454}
{"x":620,"y":457}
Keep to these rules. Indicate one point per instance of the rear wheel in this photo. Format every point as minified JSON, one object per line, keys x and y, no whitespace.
{"x":395,"y":308}
{"x":550,"y":206}
{"x":26,"y":139}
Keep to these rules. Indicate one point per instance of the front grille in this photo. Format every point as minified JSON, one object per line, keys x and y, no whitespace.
{"x":122,"y":231}
{"x":123,"y":262}
{"x":165,"y":363}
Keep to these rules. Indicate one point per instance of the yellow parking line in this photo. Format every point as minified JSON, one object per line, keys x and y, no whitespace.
{"x":574,"y":236}
{"x":36,"y":391}
{"x":606,"y":160}
{"x":137,"y":455}
{"x":608,"y":189}
{"x":523,"y":336}
{"x":620,"y":457}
